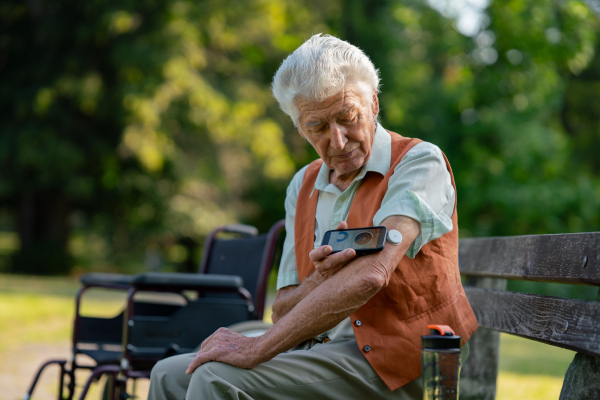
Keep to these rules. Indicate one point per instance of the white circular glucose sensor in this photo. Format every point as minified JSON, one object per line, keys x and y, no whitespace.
{"x":394,"y":237}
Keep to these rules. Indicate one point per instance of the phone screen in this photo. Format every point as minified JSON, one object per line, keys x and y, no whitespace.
{"x":363,"y":240}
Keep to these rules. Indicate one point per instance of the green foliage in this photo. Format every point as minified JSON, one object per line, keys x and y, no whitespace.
{"x":495,"y":103}
{"x":130,"y":129}
{"x":149,"y":121}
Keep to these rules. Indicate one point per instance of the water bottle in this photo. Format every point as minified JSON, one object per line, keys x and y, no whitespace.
{"x":440,"y":359}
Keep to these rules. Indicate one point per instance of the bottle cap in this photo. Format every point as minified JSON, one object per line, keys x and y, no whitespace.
{"x":441,"y":337}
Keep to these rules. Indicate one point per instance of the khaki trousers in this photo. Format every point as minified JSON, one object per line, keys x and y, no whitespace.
{"x":333,"y":370}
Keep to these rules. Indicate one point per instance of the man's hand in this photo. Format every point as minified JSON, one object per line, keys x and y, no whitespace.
{"x":228,"y":347}
{"x":326,"y":264}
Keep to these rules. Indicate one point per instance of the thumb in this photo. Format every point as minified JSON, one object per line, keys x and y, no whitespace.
{"x":201,"y":358}
{"x":193,"y":365}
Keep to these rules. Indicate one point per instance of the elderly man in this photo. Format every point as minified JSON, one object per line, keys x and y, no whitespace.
{"x":345,"y":326}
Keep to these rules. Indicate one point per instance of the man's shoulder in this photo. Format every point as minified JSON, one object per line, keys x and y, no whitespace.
{"x":299,"y":176}
{"x":296,"y":183}
{"x":422,"y":154}
{"x":421,"y":146}
{"x":425,"y":148}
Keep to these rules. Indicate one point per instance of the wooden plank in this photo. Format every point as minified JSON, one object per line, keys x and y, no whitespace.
{"x":565,"y":258}
{"x":479,"y":372}
{"x":571,"y":324}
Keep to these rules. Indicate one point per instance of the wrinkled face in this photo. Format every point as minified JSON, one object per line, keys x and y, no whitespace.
{"x":341,"y":129}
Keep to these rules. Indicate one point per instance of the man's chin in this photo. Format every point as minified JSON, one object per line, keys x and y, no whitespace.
{"x":349,"y":167}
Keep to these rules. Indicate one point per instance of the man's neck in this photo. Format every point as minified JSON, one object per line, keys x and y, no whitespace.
{"x":342,"y":182}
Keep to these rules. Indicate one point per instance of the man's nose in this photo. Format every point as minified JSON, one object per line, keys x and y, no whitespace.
{"x":338,"y":136}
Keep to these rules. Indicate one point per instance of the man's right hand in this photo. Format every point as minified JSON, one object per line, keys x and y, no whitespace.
{"x":327,"y":265}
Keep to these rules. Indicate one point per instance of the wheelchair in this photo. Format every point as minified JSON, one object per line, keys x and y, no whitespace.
{"x":169,"y":313}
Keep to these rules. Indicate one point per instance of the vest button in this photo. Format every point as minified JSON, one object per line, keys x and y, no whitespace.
{"x":367,"y":348}
{"x":357,"y":322}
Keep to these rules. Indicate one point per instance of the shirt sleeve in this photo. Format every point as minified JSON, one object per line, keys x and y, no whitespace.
{"x":420,"y":188}
{"x":288,"y":272}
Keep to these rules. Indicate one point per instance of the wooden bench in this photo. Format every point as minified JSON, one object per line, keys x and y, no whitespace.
{"x":487,"y":263}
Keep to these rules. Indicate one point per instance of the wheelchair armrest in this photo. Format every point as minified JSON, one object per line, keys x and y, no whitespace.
{"x":106,"y":280}
{"x":247,"y":230}
{"x":184,"y":281}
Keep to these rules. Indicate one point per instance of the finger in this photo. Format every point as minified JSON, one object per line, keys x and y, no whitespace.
{"x":320,"y":252}
{"x":340,"y":257}
{"x":342,"y":225}
{"x":196,"y":362}
{"x":336,"y":261}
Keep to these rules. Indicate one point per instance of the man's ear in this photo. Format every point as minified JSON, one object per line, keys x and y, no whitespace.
{"x":375,"y":105}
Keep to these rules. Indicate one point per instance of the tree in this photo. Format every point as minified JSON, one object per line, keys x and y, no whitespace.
{"x":140,"y":124}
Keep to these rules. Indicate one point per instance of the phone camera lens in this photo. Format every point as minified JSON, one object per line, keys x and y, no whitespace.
{"x":363,"y":238}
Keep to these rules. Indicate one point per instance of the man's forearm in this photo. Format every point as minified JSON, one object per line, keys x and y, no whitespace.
{"x":288,"y":297}
{"x":326,"y":306}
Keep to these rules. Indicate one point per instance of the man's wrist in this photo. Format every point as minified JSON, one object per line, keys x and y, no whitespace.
{"x":317,"y":278}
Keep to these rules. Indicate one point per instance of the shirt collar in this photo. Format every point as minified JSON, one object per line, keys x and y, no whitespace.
{"x":379,"y":160}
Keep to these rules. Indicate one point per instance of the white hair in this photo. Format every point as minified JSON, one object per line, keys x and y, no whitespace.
{"x":319,"y":69}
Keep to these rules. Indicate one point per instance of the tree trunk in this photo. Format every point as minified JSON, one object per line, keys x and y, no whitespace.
{"x":43,"y":228}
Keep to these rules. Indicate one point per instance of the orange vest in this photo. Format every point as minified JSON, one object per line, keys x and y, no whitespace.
{"x":424,"y":290}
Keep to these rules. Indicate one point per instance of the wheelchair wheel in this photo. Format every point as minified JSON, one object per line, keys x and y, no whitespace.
{"x":115,"y":389}
{"x":250,"y":328}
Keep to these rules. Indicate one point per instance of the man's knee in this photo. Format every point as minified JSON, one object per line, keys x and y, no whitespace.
{"x":217,"y":380}
{"x":160,"y":369}
{"x":168,"y":377}
{"x":172,"y":365}
{"x":212,"y":371}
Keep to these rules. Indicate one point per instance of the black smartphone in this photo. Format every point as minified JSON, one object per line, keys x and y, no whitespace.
{"x":363,"y":240}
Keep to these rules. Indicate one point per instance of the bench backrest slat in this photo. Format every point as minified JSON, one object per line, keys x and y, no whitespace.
{"x":486,"y":264}
{"x":571,"y":324}
{"x":565,"y":258}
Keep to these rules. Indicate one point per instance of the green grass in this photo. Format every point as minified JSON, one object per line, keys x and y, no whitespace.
{"x":34,"y":310}
{"x":31,"y":318}
{"x":530,"y":370}
{"x":36,"y":317}
{"x":40,"y":310}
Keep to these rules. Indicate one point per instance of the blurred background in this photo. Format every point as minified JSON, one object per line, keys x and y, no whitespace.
{"x":129,"y":129}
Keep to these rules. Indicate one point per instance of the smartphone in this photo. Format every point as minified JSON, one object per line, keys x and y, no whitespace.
{"x":363,"y":240}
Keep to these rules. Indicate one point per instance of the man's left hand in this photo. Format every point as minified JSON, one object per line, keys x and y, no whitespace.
{"x":228,"y":347}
